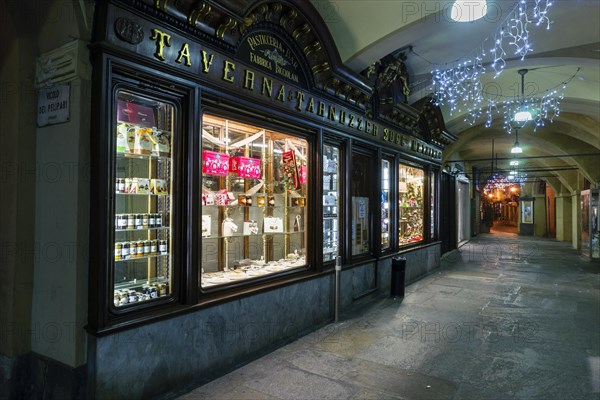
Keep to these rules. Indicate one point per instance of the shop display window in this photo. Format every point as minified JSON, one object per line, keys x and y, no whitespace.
{"x":385,"y":204}
{"x":253,"y":211}
{"x":410,"y":204}
{"x":331,"y":196}
{"x":432,"y":194}
{"x":362,"y":188}
{"x":143,"y":200}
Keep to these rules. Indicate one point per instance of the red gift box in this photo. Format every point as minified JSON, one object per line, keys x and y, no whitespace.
{"x":302,"y":174}
{"x":215,"y":163}
{"x":245,"y":167}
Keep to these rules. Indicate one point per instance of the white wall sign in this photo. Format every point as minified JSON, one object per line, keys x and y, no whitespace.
{"x":54,"y":105}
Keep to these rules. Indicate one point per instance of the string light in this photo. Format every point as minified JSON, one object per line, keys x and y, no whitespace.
{"x":458,"y":84}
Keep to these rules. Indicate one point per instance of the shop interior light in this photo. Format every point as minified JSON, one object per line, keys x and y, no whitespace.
{"x":514,"y":163}
{"x":468,"y":10}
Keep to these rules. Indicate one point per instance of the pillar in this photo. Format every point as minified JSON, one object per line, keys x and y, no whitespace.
{"x":576,"y":220}
{"x":564,"y":217}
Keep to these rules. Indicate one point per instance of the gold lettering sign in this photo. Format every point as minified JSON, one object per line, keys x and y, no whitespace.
{"x":295,"y":99}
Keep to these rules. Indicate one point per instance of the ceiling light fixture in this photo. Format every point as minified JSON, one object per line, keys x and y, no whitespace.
{"x":523,"y":115}
{"x":468,"y":11}
{"x":516,"y":149}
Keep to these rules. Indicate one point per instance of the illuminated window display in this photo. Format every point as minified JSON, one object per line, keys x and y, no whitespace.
{"x":410,"y":204}
{"x":143,"y":200}
{"x":254,"y":188}
{"x":331,"y":196}
{"x":385,"y":204}
{"x":360,"y":215}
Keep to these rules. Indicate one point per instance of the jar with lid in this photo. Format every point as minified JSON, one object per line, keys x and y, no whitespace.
{"x":122,"y":221}
{"x":151,"y":220}
{"x":125,"y":250}
{"x":140,"y":248}
{"x":163,"y":247}
{"x":133,"y":249}
{"x":118,"y":251}
{"x":138,"y":221}
{"x":130,"y":221}
{"x":120,"y":185}
{"x":145,"y":221}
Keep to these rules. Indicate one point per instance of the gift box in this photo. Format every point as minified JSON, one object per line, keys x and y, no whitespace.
{"x":221,"y":199}
{"x":139,"y":186}
{"x":208,"y":199}
{"x":158,"y":186}
{"x":250,"y":227}
{"x":206,"y":225}
{"x":272,"y":225}
{"x":302,"y":174}
{"x":215,"y":163}
{"x":245,"y":167}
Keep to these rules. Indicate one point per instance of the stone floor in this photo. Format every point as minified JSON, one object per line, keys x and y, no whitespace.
{"x":503,"y":318}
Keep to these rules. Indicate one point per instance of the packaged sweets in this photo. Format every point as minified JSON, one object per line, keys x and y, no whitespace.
{"x":122,"y":134}
{"x":143,"y":143}
{"x":161,"y":143}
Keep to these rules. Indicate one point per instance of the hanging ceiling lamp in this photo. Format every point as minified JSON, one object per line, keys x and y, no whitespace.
{"x":523,"y":115}
{"x":516,"y":149}
{"x":468,"y":10}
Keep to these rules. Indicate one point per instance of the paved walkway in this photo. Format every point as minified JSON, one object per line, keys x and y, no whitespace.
{"x":504,"y":318}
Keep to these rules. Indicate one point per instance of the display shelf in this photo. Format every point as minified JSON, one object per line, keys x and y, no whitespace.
{"x":259,"y":235}
{"x":162,"y":228}
{"x":142,"y":258}
{"x":145,"y":157}
{"x":136,"y":283}
{"x":143,"y":194}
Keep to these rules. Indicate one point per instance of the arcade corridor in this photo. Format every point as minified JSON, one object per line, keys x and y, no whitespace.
{"x":504,"y":318}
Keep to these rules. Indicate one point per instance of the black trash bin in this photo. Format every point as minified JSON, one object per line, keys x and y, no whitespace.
{"x":398,"y":273}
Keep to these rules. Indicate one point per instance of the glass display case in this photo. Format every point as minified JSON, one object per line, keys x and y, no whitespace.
{"x":331,"y":196}
{"x":590,"y":221}
{"x":143,"y":199}
{"x":432,"y":207}
{"x":362,"y":188}
{"x":385,"y":204}
{"x":410,"y":204}
{"x":253,"y":211}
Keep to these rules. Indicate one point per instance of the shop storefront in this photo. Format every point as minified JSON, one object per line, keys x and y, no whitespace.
{"x":234,"y":162}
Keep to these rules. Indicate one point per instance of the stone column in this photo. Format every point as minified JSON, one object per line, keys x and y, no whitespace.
{"x":564,"y":217}
{"x":576,"y":220}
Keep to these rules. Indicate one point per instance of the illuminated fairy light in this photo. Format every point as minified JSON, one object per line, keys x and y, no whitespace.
{"x":458,"y":86}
